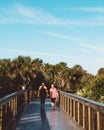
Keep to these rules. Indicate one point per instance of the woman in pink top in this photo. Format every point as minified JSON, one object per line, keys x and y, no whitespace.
{"x":53,"y":95}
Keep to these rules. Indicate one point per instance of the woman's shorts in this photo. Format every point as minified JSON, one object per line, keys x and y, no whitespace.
{"x":53,"y":100}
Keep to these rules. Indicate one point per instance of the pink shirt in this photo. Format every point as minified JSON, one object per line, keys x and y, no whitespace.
{"x":53,"y":93}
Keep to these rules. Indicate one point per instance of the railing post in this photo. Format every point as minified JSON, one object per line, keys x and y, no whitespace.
{"x":26,"y":97}
{"x":70,"y":107}
{"x":60,"y":99}
{"x":1,"y":118}
{"x":12,"y":107}
{"x":16,"y":104}
{"x":84,"y":116}
{"x":89,"y":118}
{"x":74,"y":110}
{"x":78,"y":113}
{"x":98,"y":121}
{"x":65,"y":104}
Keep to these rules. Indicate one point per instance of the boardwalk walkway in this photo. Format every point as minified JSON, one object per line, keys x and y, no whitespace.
{"x":35,"y":118}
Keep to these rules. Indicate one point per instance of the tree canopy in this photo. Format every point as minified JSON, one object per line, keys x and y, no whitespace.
{"x":32,"y":72}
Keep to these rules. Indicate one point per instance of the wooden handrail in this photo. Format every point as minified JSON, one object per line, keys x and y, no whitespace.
{"x":87,"y":113}
{"x":10,"y":106}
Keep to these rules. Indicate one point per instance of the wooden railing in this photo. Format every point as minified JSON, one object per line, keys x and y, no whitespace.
{"x":10,"y":106}
{"x":87,"y":113}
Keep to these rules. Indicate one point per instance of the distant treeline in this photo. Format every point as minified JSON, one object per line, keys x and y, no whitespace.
{"x":24,"y":71}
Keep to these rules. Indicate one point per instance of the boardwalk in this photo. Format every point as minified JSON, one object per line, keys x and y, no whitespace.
{"x":35,"y":118}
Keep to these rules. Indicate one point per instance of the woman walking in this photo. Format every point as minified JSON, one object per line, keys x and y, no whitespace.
{"x":53,"y":95}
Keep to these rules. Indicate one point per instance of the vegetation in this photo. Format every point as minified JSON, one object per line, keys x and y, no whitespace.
{"x":32,"y":72}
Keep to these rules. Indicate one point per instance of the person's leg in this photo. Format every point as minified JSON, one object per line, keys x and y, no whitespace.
{"x":53,"y":102}
{"x":43,"y":101}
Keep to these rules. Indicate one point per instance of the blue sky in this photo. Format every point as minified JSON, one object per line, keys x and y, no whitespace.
{"x":70,"y":31}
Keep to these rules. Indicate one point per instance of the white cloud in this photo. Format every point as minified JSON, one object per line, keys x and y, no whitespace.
{"x":19,"y":14}
{"x":27,"y":12}
{"x":90,"y":21}
{"x":62,"y":36}
{"x":90,"y":9}
{"x":84,"y":9}
{"x":38,"y":16}
{"x":79,"y":42}
{"x":97,"y":48}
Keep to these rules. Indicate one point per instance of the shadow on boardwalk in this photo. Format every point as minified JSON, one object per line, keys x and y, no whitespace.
{"x":35,"y":118}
